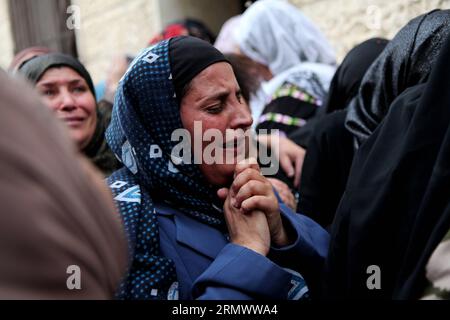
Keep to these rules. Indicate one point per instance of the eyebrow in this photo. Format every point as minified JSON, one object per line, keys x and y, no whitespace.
{"x":52,"y":83}
{"x":219,"y":95}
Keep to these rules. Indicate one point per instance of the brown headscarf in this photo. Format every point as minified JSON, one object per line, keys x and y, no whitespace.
{"x":55,"y":211}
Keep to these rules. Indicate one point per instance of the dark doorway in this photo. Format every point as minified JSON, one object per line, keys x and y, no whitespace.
{"x":41,"y":23}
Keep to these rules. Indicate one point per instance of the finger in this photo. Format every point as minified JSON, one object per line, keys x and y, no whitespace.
{"x":286,"y":165}
{"x":284,"y":192}
{"x":261,"y":203}
{"x":298,"y":169}
{"x":278,"y":184}
{"x":251,"y":188}
{"x":227,"y":211}
{"x":244,"y":177}
{"x":245,"y":164}
{"x":288,"y":199}
{"x":223,"y":193}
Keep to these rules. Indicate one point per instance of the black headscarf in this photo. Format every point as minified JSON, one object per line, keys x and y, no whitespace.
{"x":396,"y":207}
{"x":406,"y":61}
{"x":345,"y":83}
{"x":186,"y":64}
{"x":35,"y":68}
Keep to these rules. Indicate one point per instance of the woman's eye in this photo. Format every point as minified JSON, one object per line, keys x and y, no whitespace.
{"x":48,"y":92}
{"x":239,"y":96}
{"x":215,"y":109}
{"x":79,"y":89}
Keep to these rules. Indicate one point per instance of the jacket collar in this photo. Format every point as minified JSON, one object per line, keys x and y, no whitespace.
{"x":194,"y":234}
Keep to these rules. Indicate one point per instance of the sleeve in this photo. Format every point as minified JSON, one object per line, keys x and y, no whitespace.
{"x":239,"y":273}
{"x":307,"y":253}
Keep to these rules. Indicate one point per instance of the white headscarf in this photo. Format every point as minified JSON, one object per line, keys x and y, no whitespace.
{"x":226,"y":40}
{"x":277,"y":34}
{"x":314,"y":78}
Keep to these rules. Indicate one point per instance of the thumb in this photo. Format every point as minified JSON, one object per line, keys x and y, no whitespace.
{"x":223,"y":193}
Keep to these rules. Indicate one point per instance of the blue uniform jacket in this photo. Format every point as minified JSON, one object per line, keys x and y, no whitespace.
{"x":210,"y":267}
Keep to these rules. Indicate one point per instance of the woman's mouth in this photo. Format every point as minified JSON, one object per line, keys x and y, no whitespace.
{"x":73,"y":121}
{"x":234,"y":143}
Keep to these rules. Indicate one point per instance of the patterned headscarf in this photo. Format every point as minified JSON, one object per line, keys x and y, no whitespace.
{"x":146,"y":112}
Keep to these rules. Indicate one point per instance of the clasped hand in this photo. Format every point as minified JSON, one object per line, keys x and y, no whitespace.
{"x":252,"y":211}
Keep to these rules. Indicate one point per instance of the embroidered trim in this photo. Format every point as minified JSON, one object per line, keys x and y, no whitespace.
{"x":281,"y":118}
{"x":291,"y":90}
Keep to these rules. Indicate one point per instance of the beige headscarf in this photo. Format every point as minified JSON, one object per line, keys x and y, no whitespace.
{"x":54,"y":210}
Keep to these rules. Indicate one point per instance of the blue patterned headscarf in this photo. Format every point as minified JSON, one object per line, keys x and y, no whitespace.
{"x":146,"y":112}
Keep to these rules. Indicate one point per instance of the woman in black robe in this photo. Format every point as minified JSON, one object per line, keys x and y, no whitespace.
{"x":406,"y":61}
{"x":396,"y":208}
{"x":330,"y":147}
{"x":347,"y":79}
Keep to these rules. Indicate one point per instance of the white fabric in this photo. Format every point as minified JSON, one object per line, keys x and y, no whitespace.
{"x":314,"y":78}
{"x":226,"y":41}
{"x":257,"y":103}
{"x":276,"y":34}
{"x":300,"y":75}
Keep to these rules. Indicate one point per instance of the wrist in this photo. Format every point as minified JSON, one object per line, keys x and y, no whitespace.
{"x":254,"y":246}
{"x":281,"y":238}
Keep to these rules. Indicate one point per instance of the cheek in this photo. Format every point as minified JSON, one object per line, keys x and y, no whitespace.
{"x":52,"y":104}
{"x":191,"y":120}
{"x":186,"y":119}
{"x":87,"y":102}
{"x":89,"y":107}
{"x":219,"y":122}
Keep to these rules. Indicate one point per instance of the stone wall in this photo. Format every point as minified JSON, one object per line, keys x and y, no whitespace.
{"x":113,"y":27}
{"x":349,"y":22}
{"x":125,"y":26}
{"x":212,"y":12}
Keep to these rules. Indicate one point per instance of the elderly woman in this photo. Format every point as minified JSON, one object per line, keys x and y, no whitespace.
{"x":206,"y":230}
{"x":67,"y":89}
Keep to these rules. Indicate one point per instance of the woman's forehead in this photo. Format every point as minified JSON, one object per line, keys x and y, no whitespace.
{"x":217,"y":73}
{"x":60,"y":73}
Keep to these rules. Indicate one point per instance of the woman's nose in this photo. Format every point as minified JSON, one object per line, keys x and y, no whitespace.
{"x":242,"y":118}
{"x":67,"y":101}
